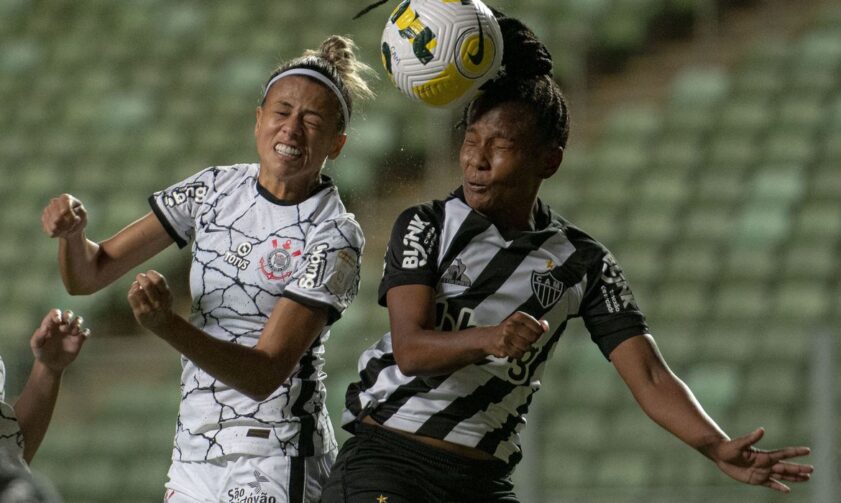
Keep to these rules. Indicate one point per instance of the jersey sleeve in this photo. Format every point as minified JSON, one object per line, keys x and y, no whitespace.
{"x":609,"y":309}
{"x":412,"y":254}
{"x":178,"y":206}
{"x":328,"y":275}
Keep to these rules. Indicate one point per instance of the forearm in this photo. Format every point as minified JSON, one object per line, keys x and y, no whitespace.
{"x":34,"y":408}
{"x":78,"y":262}
{"x":671,"y":404}
{"x":252,"y":372}
{"x":434,"y":353}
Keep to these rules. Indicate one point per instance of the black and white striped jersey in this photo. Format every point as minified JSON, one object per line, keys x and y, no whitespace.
{"x":556,"y":273}
{"x":249,"y":250}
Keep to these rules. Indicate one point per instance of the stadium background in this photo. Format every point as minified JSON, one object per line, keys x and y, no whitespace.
{"x":705,"y":152}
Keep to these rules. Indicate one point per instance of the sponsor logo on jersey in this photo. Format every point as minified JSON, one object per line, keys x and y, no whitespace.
{"x":546,"y":288}
{"x":316,"y":262}
{"x":342,"y":279}
{"x":254,"y":492}
{"x":416,"y":242}
{"x":274,"y":264}
{"x":455,"y":274}
{"x":615,"y":290}
{"x":237,"y":258}
{"x":180,"y":195}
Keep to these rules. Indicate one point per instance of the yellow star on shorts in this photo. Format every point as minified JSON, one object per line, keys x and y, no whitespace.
{"x":382,"y":499}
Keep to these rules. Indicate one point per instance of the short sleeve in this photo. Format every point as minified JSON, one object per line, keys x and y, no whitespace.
{"x":609,"y":309}
{"x":177,"y":206}
{"x":412,"y":254}
{"x":328,"y":275}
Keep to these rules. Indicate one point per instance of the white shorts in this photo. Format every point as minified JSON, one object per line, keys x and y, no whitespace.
{"x":249,"y":479}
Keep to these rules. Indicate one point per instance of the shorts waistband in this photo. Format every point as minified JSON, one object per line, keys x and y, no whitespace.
{"x":494,"y":468}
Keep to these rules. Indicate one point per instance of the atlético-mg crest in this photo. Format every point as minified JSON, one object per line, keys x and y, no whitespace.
{"x":546,"y":288}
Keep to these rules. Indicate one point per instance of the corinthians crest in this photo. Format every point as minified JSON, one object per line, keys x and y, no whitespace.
{"x":274,"y":264}
{"x":546,"y":288}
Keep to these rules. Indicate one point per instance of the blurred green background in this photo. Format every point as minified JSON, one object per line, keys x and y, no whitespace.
{"x":705,"y":153}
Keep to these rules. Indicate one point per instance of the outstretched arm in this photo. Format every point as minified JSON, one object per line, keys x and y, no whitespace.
{"x":55,"y":344}
{"x":253,"y":371}
{"x":86,"y":266}
{"x":670,"y":403}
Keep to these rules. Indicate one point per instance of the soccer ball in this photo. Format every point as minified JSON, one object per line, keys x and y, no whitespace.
{"x":441,"y":51}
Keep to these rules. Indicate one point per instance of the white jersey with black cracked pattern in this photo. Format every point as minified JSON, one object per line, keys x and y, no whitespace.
{"x":11,"y":438}
{"x":249,"y":250}
{"x":480,"y":277}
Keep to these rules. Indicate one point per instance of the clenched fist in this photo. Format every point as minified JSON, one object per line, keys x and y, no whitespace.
{"x":151,"y":300}
{"x":515,"y":336}
{"x":64,"y":217}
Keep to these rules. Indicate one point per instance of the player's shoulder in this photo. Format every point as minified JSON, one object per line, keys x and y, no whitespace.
{"x":584,"y":242}
{"x":215,"y":177}
{"x":426,"y":214}
{"x":341,"y":226}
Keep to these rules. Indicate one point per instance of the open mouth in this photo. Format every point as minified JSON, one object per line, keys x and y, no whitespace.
{"x":287,"y":150}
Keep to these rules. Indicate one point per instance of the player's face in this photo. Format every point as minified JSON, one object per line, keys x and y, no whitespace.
{"x":297,"y":130}
{"x":503,"y":162}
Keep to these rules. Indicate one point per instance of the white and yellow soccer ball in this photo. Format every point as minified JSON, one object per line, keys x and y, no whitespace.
{"x":441,"y":51}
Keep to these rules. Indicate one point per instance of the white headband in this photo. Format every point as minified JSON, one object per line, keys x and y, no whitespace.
{"x":317,"y":76}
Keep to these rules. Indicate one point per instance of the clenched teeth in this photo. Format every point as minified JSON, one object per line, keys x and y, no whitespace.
{"x":282,"y":149}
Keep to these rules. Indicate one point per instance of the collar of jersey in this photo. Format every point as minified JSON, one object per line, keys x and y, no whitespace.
{"x":542,"y":212}
{"x":325,"y":182}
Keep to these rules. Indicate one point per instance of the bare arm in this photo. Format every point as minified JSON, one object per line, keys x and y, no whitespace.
{"x":87,"y":267}
{"x":55,"y":344}
{"x":253,"y":371}
{"x":421,"y":350}
{"x":670,"y":403}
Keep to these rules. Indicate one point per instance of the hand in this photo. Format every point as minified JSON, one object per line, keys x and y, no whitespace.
{"x":745,"y":463}
{"x":151,"y":300}
{"x":514,"y":336}
{"x":65,"y":216}
{"x":58,"y":340}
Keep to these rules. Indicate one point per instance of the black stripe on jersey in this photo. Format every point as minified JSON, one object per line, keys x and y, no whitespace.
{"x":306,"y":444}
{"x":492,"y":439}
{"x":402,"y":394}
{"x":333,"y":314}
{"x":500,"y":268}
{"x":367,"y":378}
{"x":472,"y":226}
{"x":442,"y":422}
{"x":297,"y":479}
{"x":165,"y":222}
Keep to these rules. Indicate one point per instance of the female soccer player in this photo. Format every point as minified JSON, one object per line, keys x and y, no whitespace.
{"x":479,"y":288}
{"x":275,"y":262}
{"x":54,"y":344}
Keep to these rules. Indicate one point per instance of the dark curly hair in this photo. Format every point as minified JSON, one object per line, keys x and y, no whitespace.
{"x":525,"y":77}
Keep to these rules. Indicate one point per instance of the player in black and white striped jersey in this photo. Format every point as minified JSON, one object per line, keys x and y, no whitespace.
{"x":479,"y":288}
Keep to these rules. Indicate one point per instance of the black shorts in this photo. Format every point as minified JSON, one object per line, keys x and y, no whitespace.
{"x":379,"y":465}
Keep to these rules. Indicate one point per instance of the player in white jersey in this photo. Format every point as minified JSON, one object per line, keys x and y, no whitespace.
{"x":479,"y":288}
{"x":276,"y":260}
{"x":54,"y":344}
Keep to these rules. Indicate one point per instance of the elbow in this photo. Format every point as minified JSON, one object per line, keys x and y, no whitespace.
{"x":257,"y":396}
{"x":260,"y":392}
{"x":409,"y":366}
{"x":80,"y":287}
